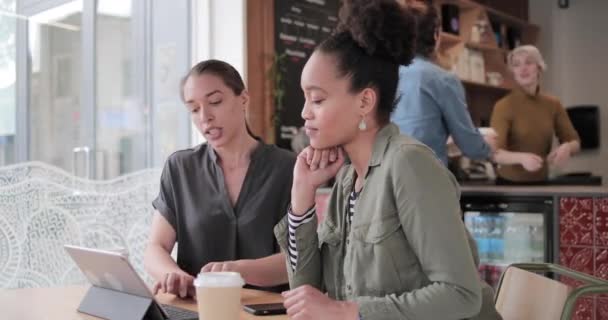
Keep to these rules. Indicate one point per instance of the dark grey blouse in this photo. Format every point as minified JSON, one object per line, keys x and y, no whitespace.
{"x":194,"y":200}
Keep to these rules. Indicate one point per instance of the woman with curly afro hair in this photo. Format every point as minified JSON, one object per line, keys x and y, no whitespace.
{"x":392,"y":244}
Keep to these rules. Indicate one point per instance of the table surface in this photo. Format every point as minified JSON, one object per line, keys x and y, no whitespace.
{"x":62,"y":302}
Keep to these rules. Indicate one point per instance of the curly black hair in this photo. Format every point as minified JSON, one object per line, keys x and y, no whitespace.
{"x":428,"y":23}
{"x":372,"y":39}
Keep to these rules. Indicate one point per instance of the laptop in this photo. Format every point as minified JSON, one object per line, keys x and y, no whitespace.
{"x":112,"y":270}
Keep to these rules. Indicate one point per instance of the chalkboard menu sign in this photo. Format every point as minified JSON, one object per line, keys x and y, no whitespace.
{"x":300,"y":25}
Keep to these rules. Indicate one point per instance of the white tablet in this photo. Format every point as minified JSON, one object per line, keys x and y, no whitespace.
{"x":109,"y":270}
{"x":112,"y":270}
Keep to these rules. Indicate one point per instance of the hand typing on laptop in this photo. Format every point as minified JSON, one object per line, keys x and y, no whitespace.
{"x":178,"y":283}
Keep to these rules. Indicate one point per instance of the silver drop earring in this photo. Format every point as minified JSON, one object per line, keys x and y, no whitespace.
{"x":362,"y":125}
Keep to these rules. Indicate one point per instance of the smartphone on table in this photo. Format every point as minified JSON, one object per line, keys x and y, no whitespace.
{"x":264,"y":309}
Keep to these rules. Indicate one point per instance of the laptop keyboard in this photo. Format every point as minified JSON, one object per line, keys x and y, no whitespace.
{"x":176,"y":313}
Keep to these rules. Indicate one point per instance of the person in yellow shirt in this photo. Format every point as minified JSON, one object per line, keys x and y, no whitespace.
{"x":526,"y":122}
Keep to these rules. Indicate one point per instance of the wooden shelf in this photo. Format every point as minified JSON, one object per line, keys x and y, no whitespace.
{"x":501,"y":15}
{"x":481,"y":97}
{"x":484,"y":47}
{"x":510,"y":19}
{"x":464,"y":4}
{"x":480,"y":85}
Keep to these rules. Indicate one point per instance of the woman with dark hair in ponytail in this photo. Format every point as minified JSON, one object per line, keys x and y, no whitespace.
{"x":392,"y":244}
{"x":432,"y":103}
{"x":219,"y":200}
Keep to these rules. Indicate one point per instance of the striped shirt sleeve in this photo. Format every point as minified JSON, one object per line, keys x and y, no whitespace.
{"x":294,"y":222}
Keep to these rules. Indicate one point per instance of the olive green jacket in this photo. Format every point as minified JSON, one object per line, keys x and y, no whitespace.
{"x":406,"y":254}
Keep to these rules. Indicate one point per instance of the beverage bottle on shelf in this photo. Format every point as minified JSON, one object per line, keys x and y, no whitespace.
{"x":526,"y":225}
{"x":537,"y":239}
{"x":510,"y":238}
{"x":469,"y":221}
{"x":482,"y":237}
{"x":524,"y":243}
{"x":516,"y":238}
{"x":497,"y":238}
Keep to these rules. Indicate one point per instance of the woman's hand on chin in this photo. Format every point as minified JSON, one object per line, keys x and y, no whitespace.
{"x":313,"y":168}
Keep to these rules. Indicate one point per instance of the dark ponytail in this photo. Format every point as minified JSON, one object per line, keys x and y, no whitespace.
{"x":373,"y":38}
{"x":428,"y":23}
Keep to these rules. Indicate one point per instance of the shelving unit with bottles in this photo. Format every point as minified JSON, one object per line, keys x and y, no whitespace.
{"x":477,"y":52}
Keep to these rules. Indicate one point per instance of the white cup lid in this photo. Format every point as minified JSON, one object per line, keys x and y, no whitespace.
{"x":219,"y":279}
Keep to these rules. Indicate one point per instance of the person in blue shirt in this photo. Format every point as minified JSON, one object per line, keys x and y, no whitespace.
{"x":432,"y":104}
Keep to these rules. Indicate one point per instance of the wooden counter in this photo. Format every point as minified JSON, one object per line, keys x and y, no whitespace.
{"x":560,"y":191}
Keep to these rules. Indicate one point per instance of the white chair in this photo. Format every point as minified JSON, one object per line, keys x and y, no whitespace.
{"x":42,"y":208}
{"x":524,"y":295}
{"x":13,"y":174}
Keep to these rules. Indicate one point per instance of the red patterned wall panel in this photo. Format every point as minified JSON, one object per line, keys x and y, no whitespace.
{"x":576,"y":221}
{"x":601,"y":263}
{"x":601,"y":309}
{"x":583,"y":226}
{"x":601,"y":222}
{"x":579,"y":259}
{"x":584,"y":309}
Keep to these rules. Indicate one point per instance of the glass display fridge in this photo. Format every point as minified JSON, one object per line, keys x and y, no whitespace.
{"x":509,"y":230}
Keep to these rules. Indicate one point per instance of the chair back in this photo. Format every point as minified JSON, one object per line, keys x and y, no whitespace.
{"x":525,"y":295}
{"x":43,"y":207}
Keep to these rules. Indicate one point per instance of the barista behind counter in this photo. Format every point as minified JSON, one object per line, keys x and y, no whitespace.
{"x":526,"y":122}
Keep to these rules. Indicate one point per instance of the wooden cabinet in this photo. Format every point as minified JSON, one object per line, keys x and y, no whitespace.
{"x":260,"y":53}
{"x":477,"y":52}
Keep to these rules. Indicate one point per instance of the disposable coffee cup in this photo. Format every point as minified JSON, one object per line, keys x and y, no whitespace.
{"x":218,"y":295}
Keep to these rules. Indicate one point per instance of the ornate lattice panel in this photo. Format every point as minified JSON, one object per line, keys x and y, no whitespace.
{"x":42,"y":208}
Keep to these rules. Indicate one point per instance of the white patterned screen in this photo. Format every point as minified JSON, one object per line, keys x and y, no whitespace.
{"x":42,"y":208}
